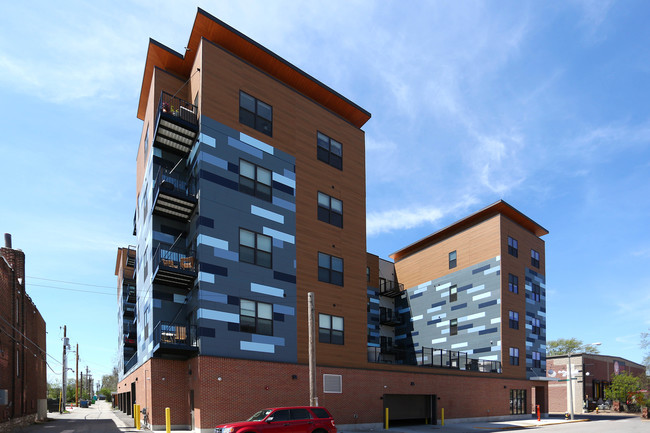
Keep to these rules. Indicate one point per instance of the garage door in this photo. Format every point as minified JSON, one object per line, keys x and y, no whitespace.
{"x":411,"y":408}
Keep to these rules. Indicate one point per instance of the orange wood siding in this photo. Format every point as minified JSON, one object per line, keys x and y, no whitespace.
{"x":296,"y":120}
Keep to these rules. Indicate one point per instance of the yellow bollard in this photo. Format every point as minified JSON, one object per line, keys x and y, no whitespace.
{"x":136,"y":416}
{"x":386,"y":420}
{"x":443,"y":416}
{"x":168,"y":416}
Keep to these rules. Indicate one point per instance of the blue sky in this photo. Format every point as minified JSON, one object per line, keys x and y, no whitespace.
{"x":542,"y":104}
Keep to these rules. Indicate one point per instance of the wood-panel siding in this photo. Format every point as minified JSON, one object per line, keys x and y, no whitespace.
{"x":473,"y":245}
{"x":296,"y":120}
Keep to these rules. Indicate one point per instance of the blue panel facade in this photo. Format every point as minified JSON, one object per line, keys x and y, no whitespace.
{"x":535,"y":315}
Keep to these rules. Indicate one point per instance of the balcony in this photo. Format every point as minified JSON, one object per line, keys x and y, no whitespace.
{"x":174,"y":267}
{"x":177,"y":124}
{"x":128,"y":293}
{"x":429,"y":357}
{"x":132,"y":360}
{"x":130,"y":256}
{"x":173,"y":196}
{"x":390,"y":289}
{"x":389,"y":317}
{"x":130,"y":342}
{"x":128,"y":309}
{"x":175,"y":340}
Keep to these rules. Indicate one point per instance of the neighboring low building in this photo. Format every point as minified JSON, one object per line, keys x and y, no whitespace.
{"x":591,"y":374}
{"x":23,"y":376}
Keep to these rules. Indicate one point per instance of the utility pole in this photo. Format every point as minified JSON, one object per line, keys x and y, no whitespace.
{"x":76,"y":381}
{"x":313,"y":398}
{"x":63,"y":374}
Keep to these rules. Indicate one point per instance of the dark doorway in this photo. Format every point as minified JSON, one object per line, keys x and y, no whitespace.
{"x":192,"y":408}
{"x":133,"y":395}
{"x":410,"y":409}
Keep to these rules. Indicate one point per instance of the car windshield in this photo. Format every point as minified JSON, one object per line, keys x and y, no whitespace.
{"x":259,"y":416}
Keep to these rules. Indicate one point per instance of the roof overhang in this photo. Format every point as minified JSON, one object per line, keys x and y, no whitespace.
{"x":500,"y":207}
{"x":208,"y":27}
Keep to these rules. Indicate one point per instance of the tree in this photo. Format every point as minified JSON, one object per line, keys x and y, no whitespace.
{"x":623,"y":387}
{"x":645,"y":344}
{"x":109,"y":381}
{"x":53,"y":390}
{"x":106,"y":393}
{"x":563,"y":346}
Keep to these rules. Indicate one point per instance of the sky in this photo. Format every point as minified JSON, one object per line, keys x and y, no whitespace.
{"x":541,"y":104}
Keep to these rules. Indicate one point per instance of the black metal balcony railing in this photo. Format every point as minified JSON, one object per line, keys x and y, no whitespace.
{"x":128,"y":309}
{"x":131,"y":362}
{"x":128,"y":293}
{"x":392,"y":289}
{"x":130,"y":256}
{"x":129,"y":341}
{"x":173,"y":196}
{"x":177,"y":124}
{"x":389,"y":317}
{"x":175,"y":339}
{"x":429,"y":357}
{"x":174,"y":267}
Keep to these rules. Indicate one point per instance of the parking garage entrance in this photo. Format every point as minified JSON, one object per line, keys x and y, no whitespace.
{"x":409,"y":409}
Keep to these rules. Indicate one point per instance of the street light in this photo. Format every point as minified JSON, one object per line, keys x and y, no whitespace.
{"x":569,"y":383}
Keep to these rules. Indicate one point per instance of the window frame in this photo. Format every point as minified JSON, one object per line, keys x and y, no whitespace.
{"x":257,"y":328}
{"x":453,"y":327}
{"x":259,"y":121}
{"x":513,"y":246}
{"x":257,"y":252}
{"x":328,"y":214}
{"x":514,"y":356}
{"x":513,"y":283}
{"x":326,"y":334}
{"x":536,"y":292}
{"x":453,"y":293}
{"x":330,"y":271}
{"x":325,"y":154}
{"x":453,"y":262}
{"x":536,"y":326}
{"x":534,"y":258}
{"x":518,"y":402}
{"x":513,"y":318}
{"x":537,"y":360}
{"x":257,"y":189}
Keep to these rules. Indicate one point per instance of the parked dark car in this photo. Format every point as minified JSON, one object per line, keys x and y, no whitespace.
{"x":298,"y":419}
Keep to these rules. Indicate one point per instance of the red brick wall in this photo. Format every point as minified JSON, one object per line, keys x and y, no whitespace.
{"x":247,"y":386}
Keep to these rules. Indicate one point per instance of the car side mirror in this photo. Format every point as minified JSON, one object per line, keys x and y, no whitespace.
{"x":269,"y":419}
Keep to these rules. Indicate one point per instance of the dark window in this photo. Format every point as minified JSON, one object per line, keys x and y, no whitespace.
{"x":367,"y":273}
{"x":452,"y":259}
{"x":513,"y":247}
{"x":536,"y":292}
{"x":453,"y":294}
{"x":329,"y":151}
{"x":513,"y":283}
{"x":453,"y":327}
{"x":330,"y":269}
{"x":300,"y":414}
{"x":254,"y":180}
{"x":330,"y":210}
{"x":330,"y":329}
{"x":255,"y":113}
{"x":146,"y":141}
{"x":537,"y":360}
{"x":514,"y":320}
{"x":514,"y":356}
{"x":518,"y":402}
{"x":255,"y":248}
{"x":320,"y":412}
{"x":255,"y":317}
{"x":536,"y":328}
{"x":281,"y":415}
{"x":534,"y":258}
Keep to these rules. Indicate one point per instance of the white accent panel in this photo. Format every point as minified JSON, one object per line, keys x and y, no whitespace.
{"x":279,"y":235}
{"x":481,"y":296}
{"x":221,"y":316}
{"x":267,"y":214}
{"x":210,"y":141}
{"x":256,"y":347}
{"x":434,"y":309}
{"x":267,"y":290}
{"x":443,"y":287}
{"x":458,"y":345}
{"x":490,"y":358}
{"x":439,"y":340}
{"x":439,"y":316}
{"x":476,"y":329}
{"x":413,"y":319}
{"x":476,"y":289}
{"x":498,"y":258}
{"x":284,"y":180}
{"x":423,"y":289}
{"x":472,"y":317}
{"x":443,"y":323}
{"x":255,"y":143}
{"x":179,"y":299}
{"x":492,"y":270}
{"x":423,"y":285}
{"x":206,"y":277}
{"x":495,"y":320}
{"x":213,"y":242}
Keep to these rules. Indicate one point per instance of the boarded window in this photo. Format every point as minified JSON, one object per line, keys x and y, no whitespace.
{"x":332,"y":383}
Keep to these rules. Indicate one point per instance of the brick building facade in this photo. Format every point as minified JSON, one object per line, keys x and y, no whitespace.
{"x":23,"y":376}
{"x":592,"y":375}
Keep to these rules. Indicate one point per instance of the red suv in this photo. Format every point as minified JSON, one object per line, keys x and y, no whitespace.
{"x":299,"y":419}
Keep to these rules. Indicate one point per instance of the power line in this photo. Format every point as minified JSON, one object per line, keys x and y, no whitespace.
{"x":70,"y":290}
{"x":26,"y":338}
{"x":71,"y":282}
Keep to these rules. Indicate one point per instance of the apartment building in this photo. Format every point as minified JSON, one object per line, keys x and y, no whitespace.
{"x":251,"y":194}
{"x":23,"y":375}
